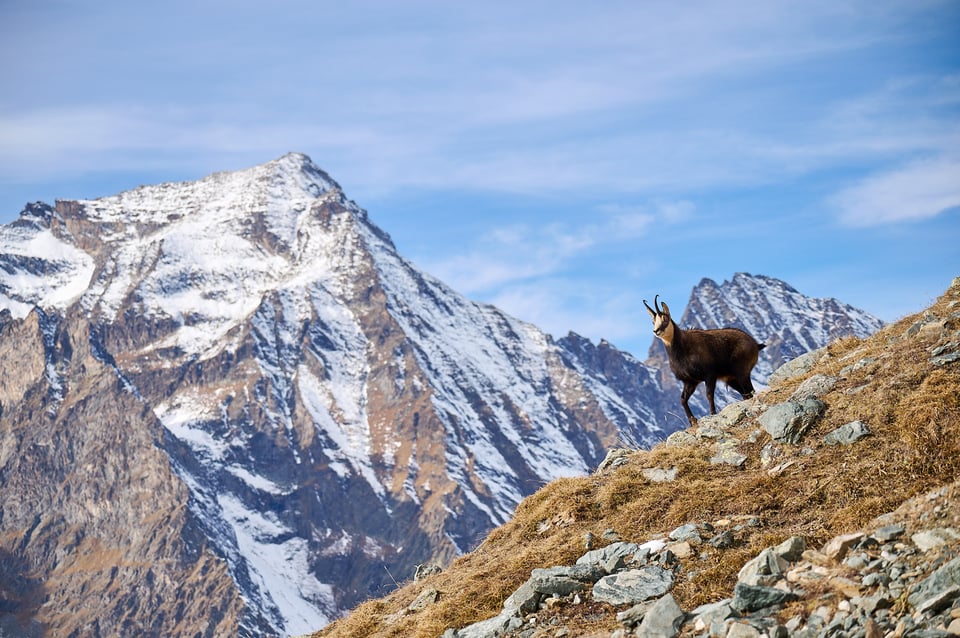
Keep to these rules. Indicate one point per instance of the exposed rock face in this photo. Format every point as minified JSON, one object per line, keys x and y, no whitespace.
{"x":90,"y":508}
{"x":230,"y":406}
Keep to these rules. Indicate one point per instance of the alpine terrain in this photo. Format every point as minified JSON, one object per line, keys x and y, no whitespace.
{"x":230,"y":406}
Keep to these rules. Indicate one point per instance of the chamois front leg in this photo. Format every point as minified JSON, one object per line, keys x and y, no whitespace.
{"x":711,"y":383}
{"x":688,"y":389}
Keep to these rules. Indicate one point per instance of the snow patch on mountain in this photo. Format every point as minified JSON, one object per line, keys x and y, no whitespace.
{"x":39,"y":269}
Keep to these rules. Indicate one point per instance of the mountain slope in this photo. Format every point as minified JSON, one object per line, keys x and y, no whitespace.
{"x":898,"y":484}
{"x":325,"y":415}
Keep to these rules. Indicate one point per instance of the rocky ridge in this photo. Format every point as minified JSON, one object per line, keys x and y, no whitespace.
{"x":894,"y":576}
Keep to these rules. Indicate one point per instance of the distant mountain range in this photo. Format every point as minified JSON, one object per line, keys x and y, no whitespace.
{"x":230,"y":406}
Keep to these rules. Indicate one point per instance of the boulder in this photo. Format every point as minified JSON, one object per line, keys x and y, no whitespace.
{"x":633,"y":585}
{"x":847,"y":433}
{"x":787,"y":422}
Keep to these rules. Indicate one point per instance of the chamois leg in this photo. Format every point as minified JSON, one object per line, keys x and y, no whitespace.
{"x":744,"y":387}
{"x":711,"y":387}
{"x":688,"y":389}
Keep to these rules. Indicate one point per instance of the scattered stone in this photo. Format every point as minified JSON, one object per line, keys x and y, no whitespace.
{"x":589,"y":540}
{"x":681,"y":549}
{"x":426,"y":598}
{"x":634,"y":615}
{"x":686,"y":532}
{"x":769,"y":453}
{"x":705,"y":615}
{"x":662,"y":620}
{"x":764,"y":569}
{"x":945,"y":359}
{"x":837,"y":547}
{"x":681,"y":438}
{"x":660,"y":475}
{"x":584,"y":573}
{"x":747,"y":598}
{"x":801,"y":365}
{"x":940,"y":601}
{"x":847,"y":434}
{"x":814,"y":387}
{"x":787,"y":422}
{"x":729,"y":417}
{"x":722,"y":540}
{"x":633,"y":586}
{"x":930,"y":539}
{"x":726,"y":452}
{"x":611,"y":535}
{"x":941,"y":580}
{"x":791,"y":549}
{"x":889,"y":533}
{"x":602,"y":555}
{"x":614,"y":458}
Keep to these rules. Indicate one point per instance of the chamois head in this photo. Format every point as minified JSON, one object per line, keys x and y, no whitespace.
{"x":662,"y":324}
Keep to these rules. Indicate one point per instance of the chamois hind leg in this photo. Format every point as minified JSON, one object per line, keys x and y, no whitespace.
{"x":711,"y":384}
{"x":688,"y":389}
{"x":745,"y":387}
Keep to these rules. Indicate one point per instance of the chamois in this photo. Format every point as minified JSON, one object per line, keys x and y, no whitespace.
{"x":728,"y":354}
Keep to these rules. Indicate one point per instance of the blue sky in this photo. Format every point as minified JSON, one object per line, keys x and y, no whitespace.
{"x":560,"y":160}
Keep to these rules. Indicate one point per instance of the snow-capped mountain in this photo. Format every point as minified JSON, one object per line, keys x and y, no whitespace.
{"x":323,"y":415}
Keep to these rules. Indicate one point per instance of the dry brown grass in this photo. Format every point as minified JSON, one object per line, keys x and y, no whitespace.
{"x":911,"y":407}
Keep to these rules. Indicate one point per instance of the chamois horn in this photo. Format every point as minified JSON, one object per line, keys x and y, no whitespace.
{"x":655,"y":310}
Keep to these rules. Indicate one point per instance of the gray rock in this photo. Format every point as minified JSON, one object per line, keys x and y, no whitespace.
{"x":681,"y":438}
{"x":791,"y":549}
{"x":489,"y":628}
{"x":764,"y":569}
{"x":801,"y":365}
{"x":662,"y":620}
{"x":941,"y":580}
{"x":926,"y":540}
{"x":706,"y":615}
{"x":726,"y":452}
{"x":633,"y":586}
{"x":584,"y":573}
{"x":945,"y":359}
{"x":660,"y":475}
{"x":889,"y":532}
{"x":686,"y":532}
{"x":634,"y":616}
{"x":730,"y":416}
{"x":748,"y":598}
{"x":847,"y":433}
{"x":722,"y":540}
{"x":602,"y":555}
{"x":614,"y":458}
{"x":787,"y":422}
{"x":939,"y":601}
{"x":540,"y":585}
{"x":814,"y":387}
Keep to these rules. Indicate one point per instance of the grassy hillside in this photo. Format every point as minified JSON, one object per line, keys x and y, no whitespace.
{"x":900,"y":382}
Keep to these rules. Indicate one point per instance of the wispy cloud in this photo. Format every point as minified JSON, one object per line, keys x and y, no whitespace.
{"x":913,"y":192}
{"x":508,"y":258}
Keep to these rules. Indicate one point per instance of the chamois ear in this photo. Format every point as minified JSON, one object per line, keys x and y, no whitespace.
{"x":664,"y":309}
